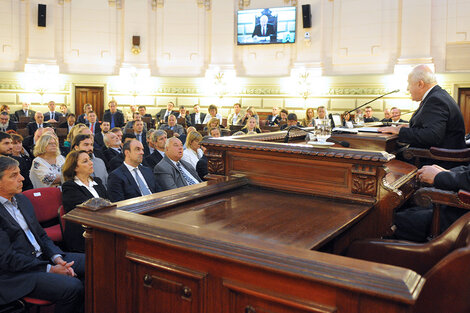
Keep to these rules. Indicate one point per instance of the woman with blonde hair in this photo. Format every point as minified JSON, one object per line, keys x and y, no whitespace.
{"x":47,"y":164}
{"x":308,"y":120}
{"x":251,"y":126}
{"x":74,"y":131}
{"x":213,"y":123}
{"x":250,"y":112}
{"x":193,"y":151}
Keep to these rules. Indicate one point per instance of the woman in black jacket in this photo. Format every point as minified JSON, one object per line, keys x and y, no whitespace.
{"x":78,"y":187}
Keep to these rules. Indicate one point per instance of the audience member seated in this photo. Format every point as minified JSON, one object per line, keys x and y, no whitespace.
{"x":213,"y":123}
{"x":182,"y":114}
{"x":235,"y":118}
{"x":19,"y":151}
{"x":83,"y":118}
{"x":201,"y":168}
{"x":283,"y":116}
{"x":387,"y":116}
{"x":215,"y":132}
{"x":25,"y":111}
{"x":113,"y":115}
{"x":31,"y":264}
{"x":38,"y":123}
{"x":113,"y":146}
{"x":6,"y":149}
{"x":193,"y":151}
{"x":132,"y":179}
{"x":308,"y":120}
{"x":171,"y":172}
{"x":251,"y":126}
{"x":5,"y":122}
{"x":52,"y":116}
{"x":274,"y":118}
{"x":438,"y":122}
{"x":396,"y":116}
{"x":69,"y":123}
{"x":117,"y":160}
{"x":47,"y":164}
{"x":93,"y":124}
{"x":74,"y":131}
{"x":78,"y":187}
{"x":415,"y":223}
{"x":105,"y":127}
{"x":197,"y":117}
{"x":143,"y":112}
{"x":84,"y":142}
{"x":64,"y":110}
{"x":321,"y":112}
{"x":148,"y":136}
{"x":177,"y":129}
{"x":212,"y":114}
{"x":291,"y":121}
{"x":135,"y":117}
{"x":5,"y":108}
{"x":159,"y":139}
{"x":347,"y":121}
{"x":141,"y":135}
{"x":162,"y":116}
{"x":368,"y":118}
{"x":250,"y":112}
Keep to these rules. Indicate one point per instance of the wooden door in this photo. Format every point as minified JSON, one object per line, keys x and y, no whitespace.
{"x":464,"y":104}
{"x":92,"y":95}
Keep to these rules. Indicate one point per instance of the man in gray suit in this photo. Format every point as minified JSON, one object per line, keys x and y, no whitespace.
{"x":177,"y":129}
{"x":171,"y":172}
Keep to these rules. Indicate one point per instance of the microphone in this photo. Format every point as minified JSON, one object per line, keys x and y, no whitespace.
{"x":286,"y":138}
{"x":386,"y":94}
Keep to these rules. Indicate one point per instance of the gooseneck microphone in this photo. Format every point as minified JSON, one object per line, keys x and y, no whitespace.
{"x":386,"y":94}
{"x":286,"y":138}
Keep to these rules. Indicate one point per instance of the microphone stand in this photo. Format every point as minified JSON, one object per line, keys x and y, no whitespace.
{"x":286,"y":138}
{"x":362,"y":105}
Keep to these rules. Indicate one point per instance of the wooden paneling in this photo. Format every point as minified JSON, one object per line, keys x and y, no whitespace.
{"x":92,"y":95}
{"x":464,"y":103}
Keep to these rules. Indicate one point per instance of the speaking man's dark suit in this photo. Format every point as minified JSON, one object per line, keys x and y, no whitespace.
{"x":33,"y":127}
{"x":269,"y":30}
{"x":118,"y":118}
{"x":202,"y":116}
{"x":47,"y":116}
{"x":169,"y":177}
{"x":21,"y":271}
{"x":153,"y":159}
{"x":122,"y":185}
{"x":73,"y":195}
{"x":438,"y":122}
{"x":19,"y":113}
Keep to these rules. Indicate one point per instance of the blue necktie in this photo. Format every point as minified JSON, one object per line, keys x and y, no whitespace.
{"x":143,"y":189}
{"x":188,"y":179}
{"x":112,"y":121}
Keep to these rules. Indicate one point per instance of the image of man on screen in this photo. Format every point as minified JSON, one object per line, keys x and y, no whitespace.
{"x":263,"y":29}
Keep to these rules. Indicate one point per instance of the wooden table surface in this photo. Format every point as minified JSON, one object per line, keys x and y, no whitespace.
{"x":272,"y":216}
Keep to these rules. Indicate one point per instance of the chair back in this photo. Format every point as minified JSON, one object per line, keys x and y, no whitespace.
{"x":23,"y":132}
{"x":46,"y":202}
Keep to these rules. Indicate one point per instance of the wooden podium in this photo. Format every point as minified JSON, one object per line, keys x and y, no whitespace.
{"x":265,"y":234}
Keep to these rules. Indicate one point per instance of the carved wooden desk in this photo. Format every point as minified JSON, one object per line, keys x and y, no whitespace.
{"x":243,"y":243}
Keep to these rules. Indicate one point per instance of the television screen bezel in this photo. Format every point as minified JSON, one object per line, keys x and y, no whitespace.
{"x":265,"y":43}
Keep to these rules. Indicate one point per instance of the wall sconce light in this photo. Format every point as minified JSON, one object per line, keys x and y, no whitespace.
{"x":135,"y":45}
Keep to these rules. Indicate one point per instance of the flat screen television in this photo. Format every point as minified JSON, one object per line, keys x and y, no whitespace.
{"x":266,"y":26}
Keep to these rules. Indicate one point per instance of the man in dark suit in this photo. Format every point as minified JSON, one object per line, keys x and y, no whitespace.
{"x":177,"y":129}
{"x":6,"y":123}
{"x":131,"y":179}
{"x":162,"y":116}
{"x":438,"y":121}
{"x":30,"y":263}
{"x":274,"y":119}
{"x":368,"y":118}
{"x":25,"y":112}
{"x":395,"y":116}
{"x":113,"y":146}
{"x":99,"y":136}
{"x":414,"y":223}
{"x":113,"y":115}
{"x":38,"y":123}
{"x":159,"y":139}
{"x":6,"y":149}
{"x":92,"y":124}
{"x":82,"y":118}
{"x":117,"y":160}
{"x":171,"y":172}
{"x":263,"y":29}
{"x":69,"y":123}
{"x":141,"y":135}
{"x":143,"y":112}
{"x":52,"y":116}
{"x":197,"y":117}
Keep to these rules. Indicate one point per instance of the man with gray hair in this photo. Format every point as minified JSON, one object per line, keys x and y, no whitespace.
{"x":437,"y":122}
{"x":171,"y":172}
{"x":158,"y":140}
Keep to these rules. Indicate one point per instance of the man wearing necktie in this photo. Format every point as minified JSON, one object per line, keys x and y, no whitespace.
{"x":141,"y":136}
{"x":38,"y":123}
{"x":131,"y":179}
{"x":171,"y":172}
{"x":113,"y":115}
{"x":31,"y":264}
{"x":52,"y":116}
{"x":263,"y":29}
{"x":25,"y":111}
